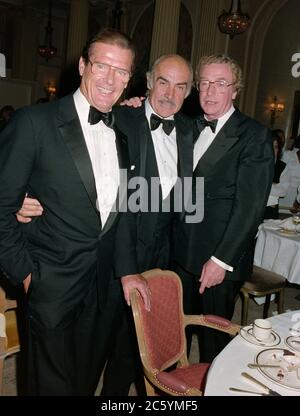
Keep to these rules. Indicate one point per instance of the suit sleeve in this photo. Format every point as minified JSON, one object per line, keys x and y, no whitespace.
{"x":17,"y":156}
{"x":125,"y":246}
{"x":253,"y":183}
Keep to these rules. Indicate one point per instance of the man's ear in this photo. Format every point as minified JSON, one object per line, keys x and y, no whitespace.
{"x":81,"y":66}
{"x":149,"y":81}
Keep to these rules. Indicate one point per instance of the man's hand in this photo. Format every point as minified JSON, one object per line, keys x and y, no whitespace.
{"x":136,"y":281}
{"x":212,"y":275}
{"x":133,"y":102}
{"x":30,"y":208}
{"x":26,"y":283}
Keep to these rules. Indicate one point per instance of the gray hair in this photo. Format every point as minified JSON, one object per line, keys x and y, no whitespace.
{"x":223,"y":59}
{"x":151,"y":73}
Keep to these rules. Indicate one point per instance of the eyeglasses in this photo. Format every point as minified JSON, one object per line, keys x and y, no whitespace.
{"x":219,"y":84}
{"x":100,"y":69}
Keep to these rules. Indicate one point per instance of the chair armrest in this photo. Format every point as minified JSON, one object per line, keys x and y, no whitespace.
{"x":11,"y":304}
{"x":214,"y":322}
{"x":174,"y":386}
{"x":2,"y":325}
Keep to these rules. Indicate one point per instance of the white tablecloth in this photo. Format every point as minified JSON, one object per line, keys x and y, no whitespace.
{"x":279,"y":253}
{"x":227,"y":367}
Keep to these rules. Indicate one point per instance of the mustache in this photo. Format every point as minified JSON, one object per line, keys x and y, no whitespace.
{"x":167,"y":101}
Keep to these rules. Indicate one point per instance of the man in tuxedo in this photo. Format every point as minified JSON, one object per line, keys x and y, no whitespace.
{"x":164,"y":138}
{"x":68,"y":155}
{"x":234,"y":155}
{"x":163,"y":141}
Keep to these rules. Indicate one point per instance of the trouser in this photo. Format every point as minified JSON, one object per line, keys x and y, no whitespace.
{"x":217,"y":300}
{"x":68,"y":360}
{"x":124,"y":366}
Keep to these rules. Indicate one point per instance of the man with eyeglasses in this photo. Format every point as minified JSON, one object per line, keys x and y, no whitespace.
{"x":68,"y":155}
{"x":234,"y":155}
{"x":163,"y":139}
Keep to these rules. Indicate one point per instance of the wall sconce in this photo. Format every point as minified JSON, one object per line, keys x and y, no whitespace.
{"x":234,"y":21}
{"x":50,"y":91}
{"x":275,"y":108}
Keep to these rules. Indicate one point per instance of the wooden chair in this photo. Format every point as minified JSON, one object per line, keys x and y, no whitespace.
{"x":9,"y":337}
{"x":161,"y":337}
{"x":262,"y":283}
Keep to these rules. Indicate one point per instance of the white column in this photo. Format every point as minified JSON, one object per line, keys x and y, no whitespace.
{"x":206,"y":33}
{"x":165,"y":28}
{"x":78,"y":29}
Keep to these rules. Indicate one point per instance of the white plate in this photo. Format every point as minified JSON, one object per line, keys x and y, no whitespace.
{"x":295,"y":346}
{"x":278,"y":375}
{"x":246,"y":333}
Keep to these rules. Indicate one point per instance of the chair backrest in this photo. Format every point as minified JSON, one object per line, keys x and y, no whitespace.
{"x":9,"y":336}
{"x":160,"y":332}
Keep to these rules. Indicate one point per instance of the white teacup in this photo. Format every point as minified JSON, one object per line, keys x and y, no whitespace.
{"x":262,"y":329}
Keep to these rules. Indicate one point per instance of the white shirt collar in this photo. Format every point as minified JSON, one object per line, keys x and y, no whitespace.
{"x":149,"y":110}
{"x":222,"y":120}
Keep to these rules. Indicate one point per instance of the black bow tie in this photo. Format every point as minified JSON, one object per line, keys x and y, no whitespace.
{"x":202,"y":123}
{"x":167,"y":125}
{"x":95,"y":116}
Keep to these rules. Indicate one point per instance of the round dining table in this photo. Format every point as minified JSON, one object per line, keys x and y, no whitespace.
{"x":233,"y":360}
{"x":278,"y":250}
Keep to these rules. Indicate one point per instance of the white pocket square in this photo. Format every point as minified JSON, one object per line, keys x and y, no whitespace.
{"x":132,"y":167}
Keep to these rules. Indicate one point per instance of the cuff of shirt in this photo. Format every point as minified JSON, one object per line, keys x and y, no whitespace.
{"x":220,"y":263}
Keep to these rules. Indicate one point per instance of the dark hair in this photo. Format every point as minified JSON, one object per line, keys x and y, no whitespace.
{"x":111,"y":37}
{"x":6,"y":108}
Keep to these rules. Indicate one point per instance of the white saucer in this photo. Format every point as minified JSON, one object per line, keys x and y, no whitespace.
{"x":246,"y":333}
{"x":290,"y":342}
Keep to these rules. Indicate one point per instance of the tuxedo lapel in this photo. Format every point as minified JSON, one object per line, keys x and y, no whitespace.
{"x":184,"y":139}
{"x":224,"y":140}
{"x":70,"y":129}
{"x":144,"y":135}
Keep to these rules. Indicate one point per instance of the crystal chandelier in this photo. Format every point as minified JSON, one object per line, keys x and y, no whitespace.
{"x":235,"y":21}
{"x":47,"y":50}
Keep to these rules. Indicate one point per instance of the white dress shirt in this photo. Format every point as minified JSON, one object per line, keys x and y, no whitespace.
{"x":101,"y":144}
{"x":207,"y":136}
{"x":203,"y":142}
{"x":165,"y":148}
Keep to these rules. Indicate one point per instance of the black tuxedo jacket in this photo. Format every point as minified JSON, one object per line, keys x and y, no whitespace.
{"x":43,"y":152}
{"x":150,"y":233}
{"x":238,"y":171}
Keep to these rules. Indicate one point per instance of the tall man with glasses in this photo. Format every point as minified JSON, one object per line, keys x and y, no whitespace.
{"x":163,"y":142}
{"x":68,"y":154}
{"x":234,"y":155}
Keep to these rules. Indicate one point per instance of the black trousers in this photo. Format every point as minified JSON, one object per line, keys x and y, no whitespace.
{"x":68,"y":360}
{"x":217,"y":300}
{"x":124,"y":365}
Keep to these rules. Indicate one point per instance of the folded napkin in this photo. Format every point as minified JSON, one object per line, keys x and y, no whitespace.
{"x":288,"y":360}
